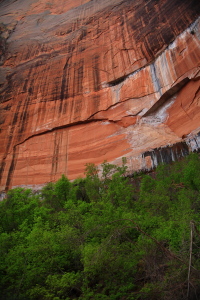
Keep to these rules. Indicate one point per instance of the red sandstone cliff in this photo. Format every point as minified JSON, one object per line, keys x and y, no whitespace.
{"x":86,"y":81}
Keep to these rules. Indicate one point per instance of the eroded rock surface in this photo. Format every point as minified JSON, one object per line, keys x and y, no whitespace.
{"x":86,"y":81}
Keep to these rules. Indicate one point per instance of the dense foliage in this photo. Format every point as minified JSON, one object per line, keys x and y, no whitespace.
{"x":104,"y":239}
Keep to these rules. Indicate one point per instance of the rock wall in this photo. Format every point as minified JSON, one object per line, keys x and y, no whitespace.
{"x":86,"y":81}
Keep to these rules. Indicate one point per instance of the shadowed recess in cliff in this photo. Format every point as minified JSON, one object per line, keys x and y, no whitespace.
{"x":117,"y":81}
{"x":170,"y":92}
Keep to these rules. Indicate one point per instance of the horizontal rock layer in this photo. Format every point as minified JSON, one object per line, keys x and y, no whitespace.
{"x":87,"y":81}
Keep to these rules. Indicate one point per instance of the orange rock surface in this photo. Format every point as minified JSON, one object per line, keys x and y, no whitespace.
{"x":86,"y":81}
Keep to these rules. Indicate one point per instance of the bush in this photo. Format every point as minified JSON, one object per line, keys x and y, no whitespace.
{"x":102,"y":238}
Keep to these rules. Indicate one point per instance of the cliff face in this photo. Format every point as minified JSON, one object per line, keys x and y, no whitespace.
{"x":86,"y":81}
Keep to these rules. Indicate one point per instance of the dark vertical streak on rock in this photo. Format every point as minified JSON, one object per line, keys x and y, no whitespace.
{"x":43,"y":111}
{"x":74,"y":87}
{"x":65,"y":93}
{"x":25,"y":86}
{"x":72,"y":92}
{"x":148,"y":49}
{"x":24,"y":116}
{"x":11,"y":169}
{"x":3,"y":164}
{"x":96,"y":102}
{"x":78,"y":88}
{"x":64,"y":86}
{"x":15,"y":119}
{"x":80,"y":77}
{"x":77,"y":109}
{"x":82,"y":35}
{"x":96,"y":77}
{"x":55,"y":154}
{"x":155,"y":78}
{"x":167,"y":154}
{"x":64,"y":108}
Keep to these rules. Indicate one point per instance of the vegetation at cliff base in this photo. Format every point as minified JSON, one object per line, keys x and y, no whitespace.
{"x":104,"y":237}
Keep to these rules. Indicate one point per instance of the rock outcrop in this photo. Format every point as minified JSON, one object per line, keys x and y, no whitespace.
{"x":86,"y":81}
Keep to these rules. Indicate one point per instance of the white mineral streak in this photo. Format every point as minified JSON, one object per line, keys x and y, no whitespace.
{"x":160,"y":114}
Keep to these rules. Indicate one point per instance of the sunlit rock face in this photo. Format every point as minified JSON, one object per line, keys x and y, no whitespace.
{"x":86,"y":81}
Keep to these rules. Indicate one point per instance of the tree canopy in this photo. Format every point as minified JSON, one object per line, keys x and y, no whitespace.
{"x":107,"y":237}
